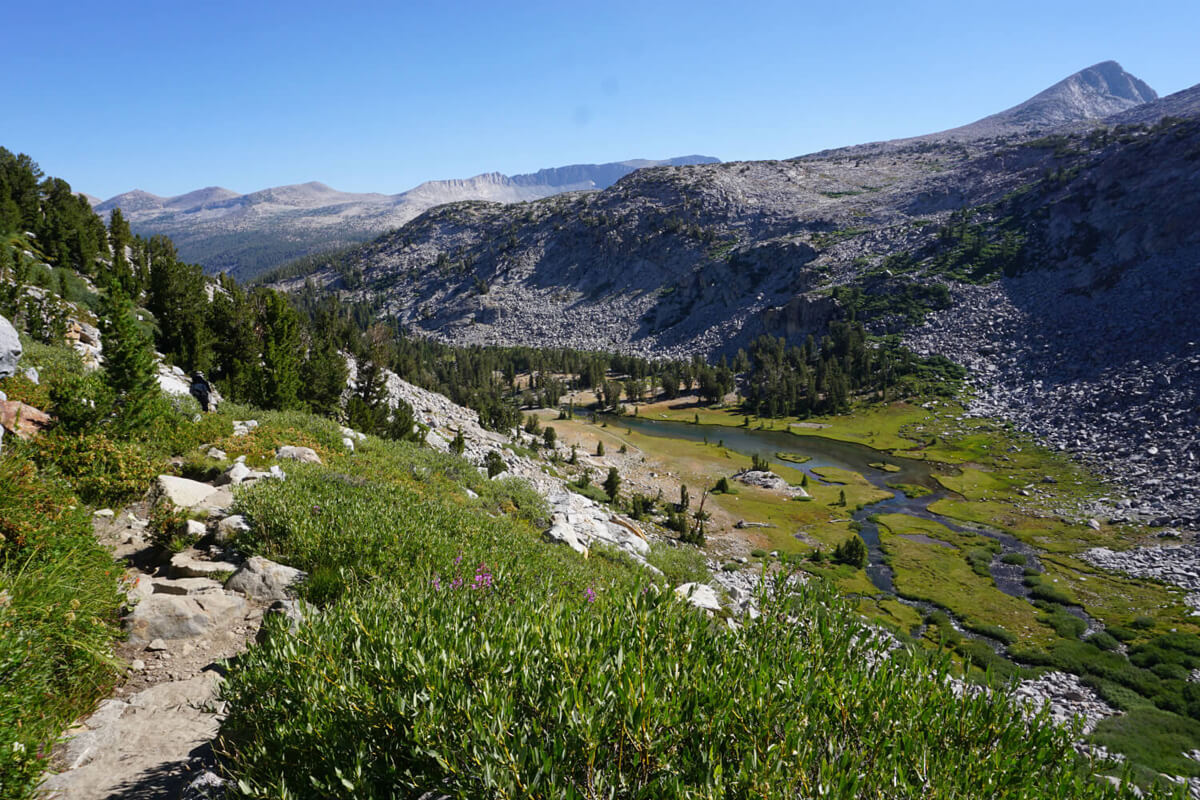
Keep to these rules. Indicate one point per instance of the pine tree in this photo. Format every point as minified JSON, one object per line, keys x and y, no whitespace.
{"x":279,"y":387}
{"x":612,"y":484}
{"x":128,"y":362}
{"x":324,"y":375}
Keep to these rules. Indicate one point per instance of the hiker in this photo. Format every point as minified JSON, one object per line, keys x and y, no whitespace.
{"x":200,"y":389}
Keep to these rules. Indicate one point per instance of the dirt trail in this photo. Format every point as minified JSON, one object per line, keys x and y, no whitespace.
{"x":152,"y":738}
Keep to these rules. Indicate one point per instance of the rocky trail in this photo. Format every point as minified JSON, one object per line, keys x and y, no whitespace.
{"x":188,"y":615}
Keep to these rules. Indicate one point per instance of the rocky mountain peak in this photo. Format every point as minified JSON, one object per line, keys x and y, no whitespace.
{"x":1098,"y":91}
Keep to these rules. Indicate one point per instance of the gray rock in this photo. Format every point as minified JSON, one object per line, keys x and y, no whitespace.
{"x":10,"y":349}
{"x":166,"y":616}
{"x":188,"y":564}
{"x":217,"y":454}
{"x":184,"y":586}
{"x":262,"y":579}
{"x":292,"y":612}
{"x":31,"y":375}
{"x":183,"y":492}
{"x":230,"y":527}
{"x":305,"y":455}
{"x":700,"y":595}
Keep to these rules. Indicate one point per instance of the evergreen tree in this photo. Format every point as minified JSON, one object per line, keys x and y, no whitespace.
{"x":324,"y":375}
{"x":279,"y":324}
{"x":458,"y":444}
{"x":128,"y":362}
{"x":549,"y":437}
{"x":236,"y":347}
{"x":612,"y":484}
{"x":494,"y":463}
{"x":179,"y":302}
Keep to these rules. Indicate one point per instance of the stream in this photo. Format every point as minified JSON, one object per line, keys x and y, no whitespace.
{"x":859,"y":458}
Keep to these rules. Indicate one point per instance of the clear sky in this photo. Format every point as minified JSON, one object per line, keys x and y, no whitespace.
{"x":172,"y":96}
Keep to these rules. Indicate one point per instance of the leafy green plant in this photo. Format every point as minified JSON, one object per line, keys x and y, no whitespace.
{"x":102,"y":470}
{"x":58,"y":617}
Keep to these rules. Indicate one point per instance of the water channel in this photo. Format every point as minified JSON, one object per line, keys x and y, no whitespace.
{"x":823,"y":452}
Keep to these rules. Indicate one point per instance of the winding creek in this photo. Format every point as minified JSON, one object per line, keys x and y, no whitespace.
{"x":859,"y":458}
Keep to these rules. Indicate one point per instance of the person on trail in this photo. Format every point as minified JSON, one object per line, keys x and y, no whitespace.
{"x":201,"y":390}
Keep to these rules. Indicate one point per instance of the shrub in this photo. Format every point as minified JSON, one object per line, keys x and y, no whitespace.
{"x":168,"y":528}
{"x":695,"y":710}
{"x":1017,"y":559}
{"x":980,"y":560}
{"x":1103,"y":641}
{"x":758,"y":552}
{"x":103,"y":471}
{"x":58,"y":617}
{"x":1121,"y":634}
{"x":1064,"y":623}
{"x":493,"y":463}
{"x":1142,"y":623}
{"x":722,"y":486}
{"x":1051,"y":594}
{"x":992,"y":631}
{"x":679,"y":564}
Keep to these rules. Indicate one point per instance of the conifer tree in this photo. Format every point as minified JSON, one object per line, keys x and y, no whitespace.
{"x":612,"y":484}
{"x":128,"y":361}
{"x":280,"y":331}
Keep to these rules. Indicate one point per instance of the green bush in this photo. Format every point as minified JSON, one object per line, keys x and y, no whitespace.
{"x":1065,"y":624}
{"x":1121,"y":634}
{"x":992,"y":631}
{"x":58,"y":617}
{"x":1051,"y":594}
{"x":681,"y":564}
{"x":631,"y":695}
{"x":1017,"y":559}
{"x":980,"y":560}
{"x":103,"y":471}
{"x":1103,"y":640}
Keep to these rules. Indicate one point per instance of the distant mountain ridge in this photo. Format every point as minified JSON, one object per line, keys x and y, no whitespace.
{"x":246,"y":234}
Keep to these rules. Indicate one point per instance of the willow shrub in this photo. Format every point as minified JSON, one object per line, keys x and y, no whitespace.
{"x":499,"y":691}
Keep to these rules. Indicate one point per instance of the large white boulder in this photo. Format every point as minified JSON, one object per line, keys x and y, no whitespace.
{"x":305,"y":455}
{"x":10,"y":349}
{"x":183,"y":492}
{"x":701,"y":595}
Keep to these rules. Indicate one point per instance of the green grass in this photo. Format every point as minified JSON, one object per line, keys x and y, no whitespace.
{"x":943,"y":576}
{"x":1153,"y":738}
{"x":58,"y":617}
{"x":682,"y":564}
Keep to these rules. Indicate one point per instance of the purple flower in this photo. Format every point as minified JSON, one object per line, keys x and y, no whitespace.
{"x":437,"y":583}
{"x":590,"y":595}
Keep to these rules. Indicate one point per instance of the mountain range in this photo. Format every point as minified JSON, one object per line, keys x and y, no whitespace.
{"x":1052,"y":248}
{"x":245,"y":234}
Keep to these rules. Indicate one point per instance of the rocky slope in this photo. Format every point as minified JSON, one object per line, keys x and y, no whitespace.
{"x":245,"y":234}
{"x":1073,"y":306}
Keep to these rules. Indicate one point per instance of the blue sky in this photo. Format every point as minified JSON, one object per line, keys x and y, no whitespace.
{"x":170,"y":97}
